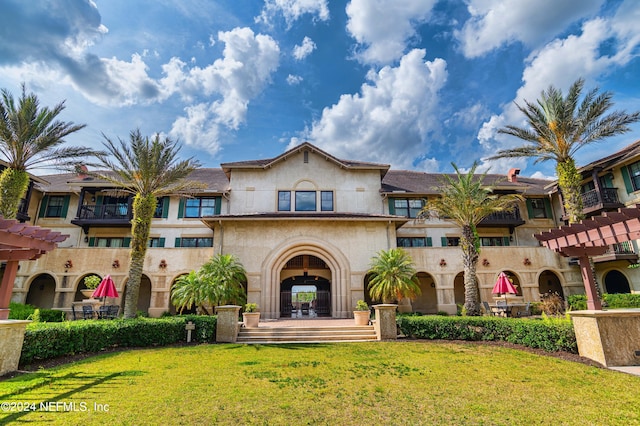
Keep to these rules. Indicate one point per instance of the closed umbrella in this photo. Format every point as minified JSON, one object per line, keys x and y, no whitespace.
{"x":106,"y":288}
{"x":504,"y":286}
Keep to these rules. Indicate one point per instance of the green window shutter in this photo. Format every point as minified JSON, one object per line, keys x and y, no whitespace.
{"x":92,"y":241}
{"x":547,"y":208}
{"x":218,"y":206}
{"x":608,"y":180}
{"x":529,"y":209}
{"x":43,"y":206}
{"x":65,"y":206}
{"x":177,"y":242}
{"x":429,"y":242}
{"x":165,"y":207}
{"x":126,"y":242}
{"x":627,"y":179}
{"x":161,"y":242}
{"x":99,"y":200}
{"x":392,"y":206}
{"x":505,"y":241}
{"x":443,"y":241}
{"x":181,"y":208}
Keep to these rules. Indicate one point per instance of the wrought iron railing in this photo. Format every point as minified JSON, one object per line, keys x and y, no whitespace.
{"x":592,"y":198}
{"x":513,"y":215}
{"x":625,"y":247}
{"x":104,"y":211}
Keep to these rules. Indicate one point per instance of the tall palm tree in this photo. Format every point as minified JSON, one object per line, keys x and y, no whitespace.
{"x":465,"y":200}
{"x":147,"y":169}
{"x":30,"y":137}
{"x":392,"y":276}
{"x":559,"y":126}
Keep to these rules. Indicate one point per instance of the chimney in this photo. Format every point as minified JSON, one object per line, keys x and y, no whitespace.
{"x":82,"y":171}
{"x":513,"y":175}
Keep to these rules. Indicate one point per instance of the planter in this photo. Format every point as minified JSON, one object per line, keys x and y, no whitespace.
{"x":251,"y":319}
{"x":361,"y":317}
{"x":88,"y":292}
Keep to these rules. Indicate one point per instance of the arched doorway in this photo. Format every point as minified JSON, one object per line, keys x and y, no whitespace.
{"x":42,"y":291}
{"x":144,"y":296}
{"x":427,"y":301}
{"x":616,"y":282}
{"x":79,"y":296}
{"x":305,"y":287}
{"x":548,"y":282}
{"x":515,"y":281}
{"x":458,"y":289}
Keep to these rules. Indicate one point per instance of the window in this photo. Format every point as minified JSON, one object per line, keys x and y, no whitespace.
{"x":305,"y":201}
{"x":194,"y":242}
{"x":200,"y":207}
{"x":326,"y":201}
{"x":55,"y":206}
{"x":452,"y":241}
{"x":161,"y":210}
{"x":284,"y":201}
{"x":111,"y":242}
{"x":156,"y":242}
{"x":538,"y":209}
{"x":494,"y":241}
{"x":411,"y":242}
{"x":407,"y":207}
{"x":634,"y":173}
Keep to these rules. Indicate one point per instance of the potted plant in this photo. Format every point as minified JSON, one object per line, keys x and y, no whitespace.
{"x":251,"y":316}
{"x":91,"y":282}
{"x":361,"y":313}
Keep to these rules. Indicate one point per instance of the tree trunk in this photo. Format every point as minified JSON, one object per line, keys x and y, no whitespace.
{"x":470,"y":260}
{"x":143,"y":209}
{"x":569,"y":181}
{"x":13,"y":186}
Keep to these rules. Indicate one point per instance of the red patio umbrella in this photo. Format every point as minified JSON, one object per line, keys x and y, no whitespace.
{"x":504,"y":286}
{"x":106,"y":288}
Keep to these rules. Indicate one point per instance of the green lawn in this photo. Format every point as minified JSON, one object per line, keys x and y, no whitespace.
{"x":414,"y":382}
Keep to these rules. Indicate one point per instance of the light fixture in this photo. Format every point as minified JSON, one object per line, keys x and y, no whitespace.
{"x":86,"y":238}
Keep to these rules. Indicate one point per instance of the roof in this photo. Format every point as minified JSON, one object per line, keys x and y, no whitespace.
{"x":214,"y":179}
{"x":21,"y":241}
{"x":420,"y":183}
{"x":305,"y":146}
{"x":629,"y":152}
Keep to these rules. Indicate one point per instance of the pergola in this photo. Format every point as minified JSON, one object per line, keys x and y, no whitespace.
{"x":20,"y":241}
{"x":591,"y":237}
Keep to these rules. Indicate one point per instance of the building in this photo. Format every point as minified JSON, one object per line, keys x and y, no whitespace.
{"x":304,"y":219}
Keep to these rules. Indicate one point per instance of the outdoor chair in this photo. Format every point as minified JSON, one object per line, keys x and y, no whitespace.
{"x":526,"y":312}
{"x":113,"y":311}
{"x":103,"y":312}
{"x":87,"y":312}
{"x":487,"y":309}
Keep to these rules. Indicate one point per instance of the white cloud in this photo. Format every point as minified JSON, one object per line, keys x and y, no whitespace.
{"x":383,"y":29}
{"x":497,"y":22}
{"x":390,"y":117}
{"x":292,"y":80}
{"x":292,"y":10}
{"x":560,"y":63}
{"x":302,"y":51}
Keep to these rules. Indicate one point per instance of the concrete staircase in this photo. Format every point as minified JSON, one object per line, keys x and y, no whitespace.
{"x":316,"y":334}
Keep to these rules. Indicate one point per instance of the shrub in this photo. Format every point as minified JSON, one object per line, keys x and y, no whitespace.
{"x":44,"y":341}
{"x":550,"y":334}
{"x":20,"y":311}
{"x":578,"y":302}
{"x":552,"y":304}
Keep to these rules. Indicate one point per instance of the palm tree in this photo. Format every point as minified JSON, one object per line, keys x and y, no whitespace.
{"x":392,"y":276}
{"x":465,"y":200}
{"x":148,"y":170}
{"x":559,"y":126}
{"x":30,"y":137}
{"x":186,"y":291}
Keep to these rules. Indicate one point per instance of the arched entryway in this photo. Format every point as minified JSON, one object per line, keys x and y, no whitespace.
{"x":427,"y":301}
{"x":144,"y":296}
{"x":305,"y":288}
{"x":514,"y":280}
{"x":458,"y":289}
{"x":42,"y":292}
{"x":616,"y":282}
{"x":549,"y":282}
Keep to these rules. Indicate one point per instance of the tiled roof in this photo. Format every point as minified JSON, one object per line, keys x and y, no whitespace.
{"x":628,"y":152}
{"x":420,"y":183}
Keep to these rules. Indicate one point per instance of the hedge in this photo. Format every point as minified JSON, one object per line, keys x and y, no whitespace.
{"x":21,"y":311}
{"x":578,"y":302}
{"x":550,"y":334}
{"x":50,"y":340}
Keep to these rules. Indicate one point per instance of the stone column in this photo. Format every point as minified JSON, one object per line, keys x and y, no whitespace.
{"x":227,"y":323}
{"x":385,"y":323}
{"x":11,"y":340}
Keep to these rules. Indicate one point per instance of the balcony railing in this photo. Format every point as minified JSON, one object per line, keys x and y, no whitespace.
{"x":593,"y":199}
{"x":511,"y":218}
{"x":621,"y":248}
{"x":104,"y":212}
{"x":619,"y":251}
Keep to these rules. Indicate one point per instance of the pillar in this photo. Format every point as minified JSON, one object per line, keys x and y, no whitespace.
{"x":385,"y":323}
{"x":227,"y":323}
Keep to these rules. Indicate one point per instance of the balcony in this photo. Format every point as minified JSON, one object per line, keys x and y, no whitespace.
{"x":620,"y":251}
{"x":510,"y":219}
{"x":102,"y":215}
{"x":594,"y":202}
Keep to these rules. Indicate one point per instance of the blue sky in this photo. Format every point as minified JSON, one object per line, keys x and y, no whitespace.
{"x":412,"y":83}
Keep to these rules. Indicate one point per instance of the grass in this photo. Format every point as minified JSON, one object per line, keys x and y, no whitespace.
{"x":413,"y":382}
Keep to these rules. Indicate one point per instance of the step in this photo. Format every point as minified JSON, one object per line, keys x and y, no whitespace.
{"x":265,"y":335}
